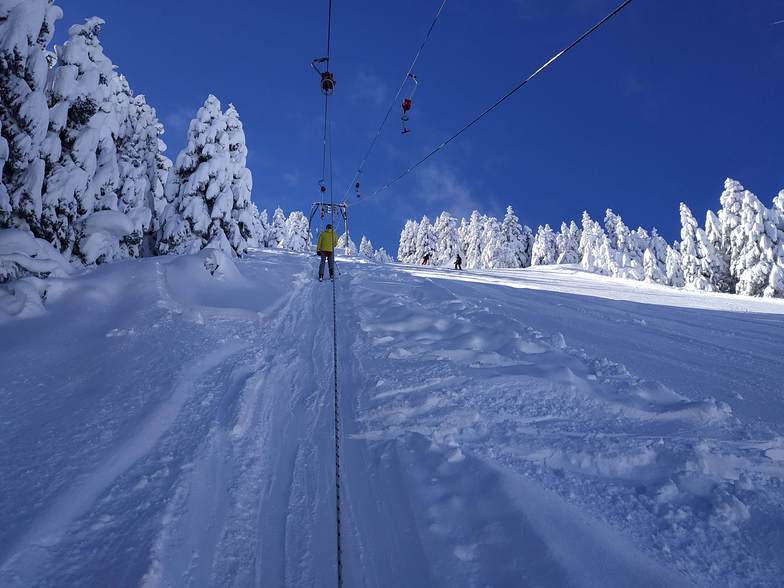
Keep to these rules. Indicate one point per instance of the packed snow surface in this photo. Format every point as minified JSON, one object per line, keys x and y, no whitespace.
{"x":169,"y":422}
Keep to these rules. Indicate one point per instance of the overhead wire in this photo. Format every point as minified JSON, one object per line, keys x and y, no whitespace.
{"x":393,"y":102}
{"x":501,"y":100}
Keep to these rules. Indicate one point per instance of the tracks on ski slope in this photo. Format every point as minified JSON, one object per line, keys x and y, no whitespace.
{"x":233,"y":459}
{"x":477,"y":450}
{"x":532,"y":460}
{"x":277,"y":525}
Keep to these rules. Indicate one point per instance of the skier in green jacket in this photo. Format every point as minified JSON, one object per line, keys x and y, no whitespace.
{"x":325,"y":249}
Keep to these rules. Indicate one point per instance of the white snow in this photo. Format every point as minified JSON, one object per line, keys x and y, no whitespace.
{"x":21,"y":254}
{"x":168,"y":421}
{"x":101,"y":235}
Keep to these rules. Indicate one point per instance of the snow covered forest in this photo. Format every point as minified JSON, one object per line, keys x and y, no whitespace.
{"x":85,"y":176}
{"x":740,"y":250}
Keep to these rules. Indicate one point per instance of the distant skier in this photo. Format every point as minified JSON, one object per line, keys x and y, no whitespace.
{"x":325,"y":249}
{"x":459,"y":262}
{"x":426,"y":259}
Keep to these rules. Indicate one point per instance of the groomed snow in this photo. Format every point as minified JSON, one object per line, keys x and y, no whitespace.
{"x":168,"y":422}
{"x":571,"y":279}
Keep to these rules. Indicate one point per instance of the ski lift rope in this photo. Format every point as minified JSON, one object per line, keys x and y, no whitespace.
{"x":501,"y":100}
{"x":327,"y":147}
{"x":392,"y":104}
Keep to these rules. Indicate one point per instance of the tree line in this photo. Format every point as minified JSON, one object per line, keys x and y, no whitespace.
{"x":739,"y":250}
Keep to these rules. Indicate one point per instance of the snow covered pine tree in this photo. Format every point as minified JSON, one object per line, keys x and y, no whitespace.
{"x":26,"y":28}
{"x":366,"y":248}
{"x":516,"y":253}
{"x":209,"y":188}
{"x":406,"y":251}
{"x":447,"y":240}
{"x":426,"y":243}
{"x":545,"y":251}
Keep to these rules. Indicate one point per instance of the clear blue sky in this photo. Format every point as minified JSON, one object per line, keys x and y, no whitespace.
{"x":659,"y":106}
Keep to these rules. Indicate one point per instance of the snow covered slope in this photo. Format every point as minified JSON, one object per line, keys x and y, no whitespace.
{"x":165,"y":426}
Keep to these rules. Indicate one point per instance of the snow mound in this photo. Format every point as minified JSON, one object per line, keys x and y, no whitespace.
{"x":220,"y":265}
{"x":102,"y":235}
{"x":23,"y":298}
{"x":22,"y":255}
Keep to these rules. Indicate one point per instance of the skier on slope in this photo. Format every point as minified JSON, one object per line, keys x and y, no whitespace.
{"x":459,"y":262}
{"x":325,"y":249}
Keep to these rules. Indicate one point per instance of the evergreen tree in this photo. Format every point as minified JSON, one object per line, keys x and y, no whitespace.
{"x":625,"y":255}
{"x":494,"y":245}
{"x":239,"y":226}
{"x":366,"y":248}
{"x":718,"y":264}
{"x":297,"y":232}
{"x":756,"y":239}
{"x":143,"y":168}
{"x":729,"y":218}
{"x":276,"y":237}
{"x":474,"y":231}
{"x":381,"y":256}
{"x":447,"y":239}
{"x":426,"y":243}
{"x":653,"y":272}
{"x":259,"y":228}
{"x":674,"y":267}
{"x":462,"y":235}
{"x":692,"y":260}
{"x":568,"y":243}
{"x":406,"y":252}
{"x":776,"y":281}
{"x":528,"y":245}
{"x":83,"y":173}
{"x":515,"y":253}
{"x":777,"y":215}
{"x":26,"y":28}
{"x":639,"y":241}
{"x":594,"y":247}
{"x":200,"y":188}
{"x":263,"y":228}
{"x":545,"y":250}
{"x":658,"y":247}
{"x":346,"y":244}
{"x":712,"y":263}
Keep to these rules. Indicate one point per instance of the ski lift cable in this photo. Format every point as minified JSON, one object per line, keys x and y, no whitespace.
{"x":392,"y":104}
{"x":501,"y":100}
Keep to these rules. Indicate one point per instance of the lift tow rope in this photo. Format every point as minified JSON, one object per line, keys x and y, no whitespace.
{"x":500,"y":101}
{"x":394,"y":100}
{"x":335,"y":380}
{"x":327,"y":155}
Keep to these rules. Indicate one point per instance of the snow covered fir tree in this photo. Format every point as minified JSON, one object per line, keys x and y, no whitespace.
{"x":208,"y":189}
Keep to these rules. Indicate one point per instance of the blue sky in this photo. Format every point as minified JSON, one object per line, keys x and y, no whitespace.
{"x":659,"y":106}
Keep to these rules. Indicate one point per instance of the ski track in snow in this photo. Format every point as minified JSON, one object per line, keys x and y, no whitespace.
{"x":493,"y":436}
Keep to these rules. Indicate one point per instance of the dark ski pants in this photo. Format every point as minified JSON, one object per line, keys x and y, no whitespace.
{"x":324,"y":257}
